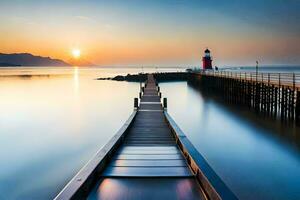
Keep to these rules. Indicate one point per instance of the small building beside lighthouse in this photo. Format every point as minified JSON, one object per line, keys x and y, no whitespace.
{"x":207,"y":60}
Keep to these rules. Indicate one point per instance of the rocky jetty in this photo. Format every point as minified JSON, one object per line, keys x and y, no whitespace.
{"x":160,"y":77}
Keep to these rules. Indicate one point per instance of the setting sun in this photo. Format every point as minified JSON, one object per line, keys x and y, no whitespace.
{"x":76,"y":53}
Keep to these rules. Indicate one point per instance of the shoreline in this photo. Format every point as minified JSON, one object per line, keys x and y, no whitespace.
{"x":159,"y":76}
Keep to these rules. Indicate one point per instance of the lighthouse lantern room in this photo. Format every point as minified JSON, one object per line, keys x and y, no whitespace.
{"x":207,"y":61}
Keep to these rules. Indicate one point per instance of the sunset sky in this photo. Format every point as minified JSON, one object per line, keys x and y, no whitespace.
{"x":161,"y":33}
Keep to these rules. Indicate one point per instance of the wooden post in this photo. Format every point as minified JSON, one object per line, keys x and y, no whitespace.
{"x":297,"y":108}
{"x":256,"y":69}
{"x":165,"y":103}
{"x":282,"y":99}
{"x":294,"y":81}
{"x":136,"y":103}
{"x":293,"y":104}
{"x":272,"y":100}
{"x":140,"y":85}
{"x":276,"y":101}
{"x":268,"y":95}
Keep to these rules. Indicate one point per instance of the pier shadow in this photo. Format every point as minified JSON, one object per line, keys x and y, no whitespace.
{"x":285,"y":131}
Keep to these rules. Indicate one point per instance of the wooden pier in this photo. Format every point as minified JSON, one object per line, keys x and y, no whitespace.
{"x":272,"y":94}
{"x":149,"y":158}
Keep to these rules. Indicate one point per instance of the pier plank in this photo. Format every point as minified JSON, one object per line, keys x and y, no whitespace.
{"x":149,"y":158}
{"x":148,"y":163}
{"x":147,"y":172}
{"x":145,"y":188}
{"x":149,"y":150}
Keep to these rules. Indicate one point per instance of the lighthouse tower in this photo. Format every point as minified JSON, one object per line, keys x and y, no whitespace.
{"x":207,"y":60}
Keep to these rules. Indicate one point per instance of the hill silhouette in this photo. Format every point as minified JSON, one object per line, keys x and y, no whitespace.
{"x":27,"y":59}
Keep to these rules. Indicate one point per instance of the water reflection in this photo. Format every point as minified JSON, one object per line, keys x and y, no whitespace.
{"x":250,"y":159}
{"x":52,"y":123}
{"x":50,"y":127}
{"x":284,"y":131}
{"x":76,"y":79}
{"x":52,"y":120}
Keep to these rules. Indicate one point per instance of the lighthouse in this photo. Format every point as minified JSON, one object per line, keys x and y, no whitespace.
{"x":207,"y":60}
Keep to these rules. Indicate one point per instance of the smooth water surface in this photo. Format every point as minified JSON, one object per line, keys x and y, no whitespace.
{"x":52,"y":121}
{"x":254,"y":162}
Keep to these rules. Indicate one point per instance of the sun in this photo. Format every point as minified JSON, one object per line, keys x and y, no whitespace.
{"x":76,"y":53}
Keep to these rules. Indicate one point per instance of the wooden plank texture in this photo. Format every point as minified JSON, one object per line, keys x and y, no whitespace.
{"x":152,"y":171}
{"x":149,"y":150}
{"x":146,"y":189}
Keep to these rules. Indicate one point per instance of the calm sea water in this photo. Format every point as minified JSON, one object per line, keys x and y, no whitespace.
{"x":257,"y":158}
{"x":53,"y":120}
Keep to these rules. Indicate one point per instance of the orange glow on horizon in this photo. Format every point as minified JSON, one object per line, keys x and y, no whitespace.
{"x":163,"y":49}
{"x":160,"y":36}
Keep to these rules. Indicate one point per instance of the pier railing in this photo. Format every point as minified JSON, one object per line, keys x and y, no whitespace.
{"x":273,"y":94}
{"x":280,"y":79}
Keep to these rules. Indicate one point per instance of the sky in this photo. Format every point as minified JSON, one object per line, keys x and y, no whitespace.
{"x":155,"y":32}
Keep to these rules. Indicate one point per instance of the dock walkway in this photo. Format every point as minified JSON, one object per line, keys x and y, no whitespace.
{"x":148,"y":158}
{"x":149,"y":164}
{"x":289,"y":80}
{"x":273,"y":94}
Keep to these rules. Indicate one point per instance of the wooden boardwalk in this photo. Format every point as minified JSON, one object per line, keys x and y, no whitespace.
{"x":289,"y":80}
{"x":149,"y":164}
{"x":273,"y":94}
{"x":148,"y":158}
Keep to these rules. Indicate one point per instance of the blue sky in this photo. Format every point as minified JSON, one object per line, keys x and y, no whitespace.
{"x":155,"y":32}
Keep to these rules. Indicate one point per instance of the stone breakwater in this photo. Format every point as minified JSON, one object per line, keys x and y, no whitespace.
{"x":160,"y":77}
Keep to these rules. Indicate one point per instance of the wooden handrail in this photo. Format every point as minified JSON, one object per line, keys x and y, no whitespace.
{"x":284,"y":79}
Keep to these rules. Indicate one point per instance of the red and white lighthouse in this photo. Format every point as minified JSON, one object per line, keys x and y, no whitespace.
{"x":207,"y":61}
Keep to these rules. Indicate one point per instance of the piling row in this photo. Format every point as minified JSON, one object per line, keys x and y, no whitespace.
{"x":279,"y":101}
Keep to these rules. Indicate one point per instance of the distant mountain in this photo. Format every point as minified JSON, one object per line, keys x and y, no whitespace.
{"x":8,"y":65}
{"x":26,"y":59}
